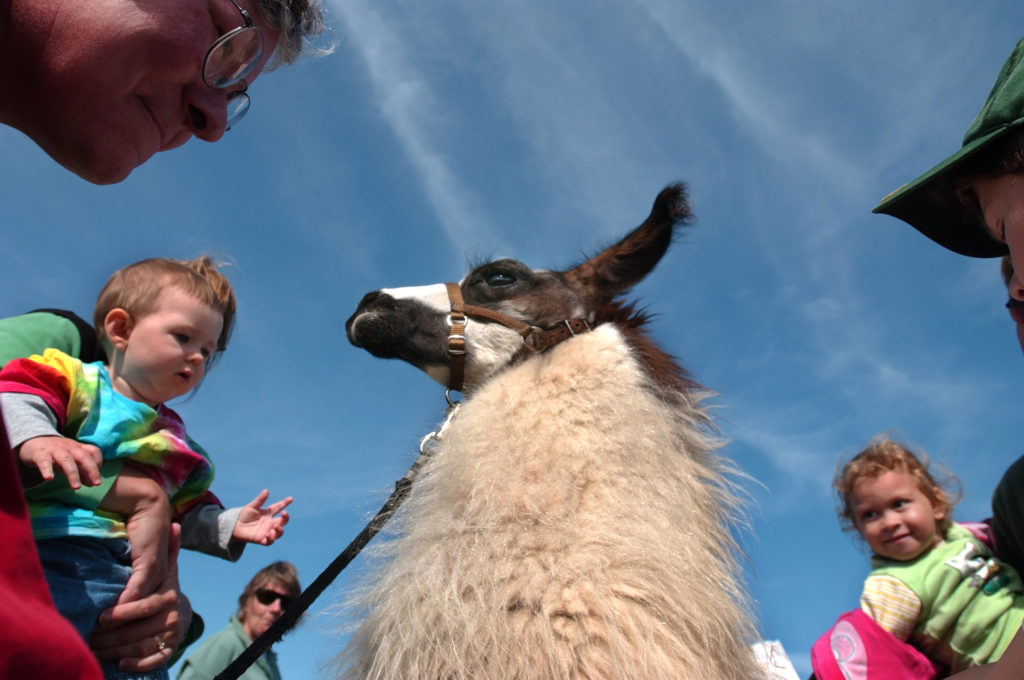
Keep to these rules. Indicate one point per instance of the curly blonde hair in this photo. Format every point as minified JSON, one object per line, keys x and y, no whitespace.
{"x":885,"y":455}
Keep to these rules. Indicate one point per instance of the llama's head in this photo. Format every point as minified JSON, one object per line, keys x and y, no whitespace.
{"x":509,"y":306}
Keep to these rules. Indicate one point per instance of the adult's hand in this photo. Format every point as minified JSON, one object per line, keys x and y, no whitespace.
{"x":1010,"y":665}
{"x":144,"y":634}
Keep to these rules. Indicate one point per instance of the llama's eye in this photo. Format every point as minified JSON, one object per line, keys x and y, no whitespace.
{"x":499,"y":279}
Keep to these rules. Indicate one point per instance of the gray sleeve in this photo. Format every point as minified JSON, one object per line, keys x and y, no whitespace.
{"x":208,"y":528}
{"x":26,"y":416}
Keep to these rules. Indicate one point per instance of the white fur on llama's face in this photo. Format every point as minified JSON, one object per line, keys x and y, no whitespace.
{"x":489,"y":346}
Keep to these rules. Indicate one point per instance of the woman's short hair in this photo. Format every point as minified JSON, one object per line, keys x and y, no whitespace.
{"x":296,"y":21}
{"x":281,"y":573}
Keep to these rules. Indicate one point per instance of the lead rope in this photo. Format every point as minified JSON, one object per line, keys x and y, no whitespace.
{"x":297,"y":608}
{"x":535,"y":339}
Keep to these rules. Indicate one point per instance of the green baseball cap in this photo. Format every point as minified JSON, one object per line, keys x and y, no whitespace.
{"x":930,"y":204}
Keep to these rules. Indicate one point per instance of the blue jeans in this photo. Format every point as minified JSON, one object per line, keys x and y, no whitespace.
{"x":86,"y":575}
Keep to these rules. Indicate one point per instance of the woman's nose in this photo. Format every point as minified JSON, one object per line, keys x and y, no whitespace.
{"x":206,"y":112}
{"x":1016,"y":287}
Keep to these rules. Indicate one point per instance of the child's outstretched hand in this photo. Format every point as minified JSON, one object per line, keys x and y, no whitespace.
{"x":257,"y":524}
{"x":79,"y":462}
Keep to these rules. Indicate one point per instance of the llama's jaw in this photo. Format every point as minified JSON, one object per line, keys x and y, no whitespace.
{"x":411,"y":324}
{"x":392,"y":327}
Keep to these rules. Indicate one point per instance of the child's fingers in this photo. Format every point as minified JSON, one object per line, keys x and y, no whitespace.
{"x":45,"y":466}
{"x":79,"y":463}
{"x":88,"y":458}
{"x":280,"y":505}
{"x":69,"y":466}
{"x":260,"y":499}
{"x":35,"y":453}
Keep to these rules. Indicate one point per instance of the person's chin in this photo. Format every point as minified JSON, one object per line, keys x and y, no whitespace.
{"x":103,"y":170}
{"x":110,"y":161}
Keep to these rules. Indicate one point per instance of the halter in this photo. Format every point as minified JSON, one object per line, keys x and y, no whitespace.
{"x":534,"y":339}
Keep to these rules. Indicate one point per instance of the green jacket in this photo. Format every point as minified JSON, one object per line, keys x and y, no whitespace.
{"x":971,"y":603}
{"x":220,"y":649}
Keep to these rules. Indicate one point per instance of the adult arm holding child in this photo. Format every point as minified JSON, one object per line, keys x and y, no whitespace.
{"x":159,"y":345}
{"x":933,"y":583}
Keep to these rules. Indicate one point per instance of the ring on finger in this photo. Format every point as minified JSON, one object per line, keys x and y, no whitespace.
{"x":160,"y":644}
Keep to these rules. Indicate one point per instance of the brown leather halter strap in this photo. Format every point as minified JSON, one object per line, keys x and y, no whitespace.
{"x":535,"y":339}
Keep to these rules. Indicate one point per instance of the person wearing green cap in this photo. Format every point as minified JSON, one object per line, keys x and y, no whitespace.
{"x":956,"y":203}
{"x":973,"y":203}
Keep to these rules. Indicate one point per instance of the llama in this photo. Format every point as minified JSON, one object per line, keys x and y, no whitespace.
{"x":574,"y":521}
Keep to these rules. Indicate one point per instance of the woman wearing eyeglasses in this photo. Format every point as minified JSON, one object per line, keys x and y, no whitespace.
{"x":101,"y":87}
{"x":262,"y":602}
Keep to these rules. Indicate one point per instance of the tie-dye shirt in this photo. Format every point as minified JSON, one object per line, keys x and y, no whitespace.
{"x":90,"y":411}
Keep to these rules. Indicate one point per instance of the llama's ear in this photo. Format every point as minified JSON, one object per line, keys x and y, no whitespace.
{"x":621,"y":266}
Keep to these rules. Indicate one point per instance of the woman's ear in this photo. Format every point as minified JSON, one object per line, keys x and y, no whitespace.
{"x":117,"y":326}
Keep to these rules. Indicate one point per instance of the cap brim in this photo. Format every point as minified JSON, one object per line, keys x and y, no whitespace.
{"x":930,"y":205}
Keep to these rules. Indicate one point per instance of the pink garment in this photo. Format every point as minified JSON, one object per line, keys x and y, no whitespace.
{"x":857,"y":648}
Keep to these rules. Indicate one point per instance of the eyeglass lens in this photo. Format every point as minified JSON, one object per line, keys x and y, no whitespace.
{"x":267,"y":597}
{"x":1016,"y":308}
{"x":233,"y":57}
{"x":238,"y":105}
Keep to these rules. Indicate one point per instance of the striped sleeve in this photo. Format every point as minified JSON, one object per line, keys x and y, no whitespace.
{"x":892,"y":604}
{"x":48,"y":377}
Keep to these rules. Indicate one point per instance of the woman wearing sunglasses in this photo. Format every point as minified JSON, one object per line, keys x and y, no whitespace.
{"x":262,"y":602}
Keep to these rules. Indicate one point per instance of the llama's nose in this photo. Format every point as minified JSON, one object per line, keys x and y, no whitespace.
{"x":374,"y":301}
{"x":370,"y":300}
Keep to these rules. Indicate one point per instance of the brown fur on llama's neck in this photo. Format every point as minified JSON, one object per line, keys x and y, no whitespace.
{"x":663,"y":368}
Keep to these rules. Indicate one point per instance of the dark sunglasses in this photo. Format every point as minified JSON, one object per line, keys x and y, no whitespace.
{"x":267,"y":597}
{"x":1016,"y":308}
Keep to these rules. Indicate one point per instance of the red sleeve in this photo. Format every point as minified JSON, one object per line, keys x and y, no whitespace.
{"x":27,"y":376}
{"x":37,"y":641}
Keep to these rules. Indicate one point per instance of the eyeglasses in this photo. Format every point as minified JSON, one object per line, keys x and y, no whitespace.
{"x":1016,"y":308}
{"x":230,"y":59}
{"x":267,"y":597}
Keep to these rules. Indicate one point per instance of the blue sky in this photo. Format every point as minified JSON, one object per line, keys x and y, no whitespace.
{"x":442,"y":133}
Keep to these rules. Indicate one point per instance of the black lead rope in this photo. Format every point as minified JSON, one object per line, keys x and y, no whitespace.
{"x":287,"y":620}
{"x":297,"y":608}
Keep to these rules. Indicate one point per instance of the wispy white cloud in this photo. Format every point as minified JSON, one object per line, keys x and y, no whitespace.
{"x":409,"y":106}
{"x":761,"y":106}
